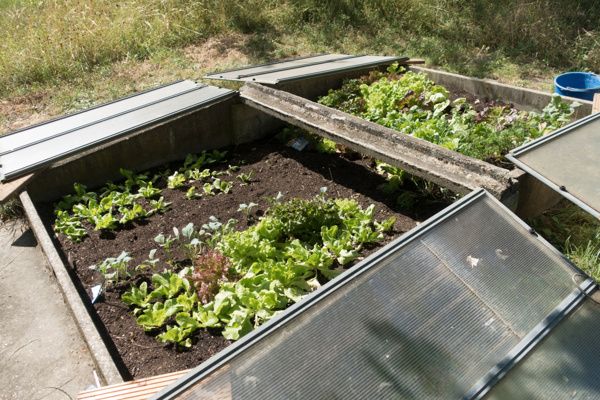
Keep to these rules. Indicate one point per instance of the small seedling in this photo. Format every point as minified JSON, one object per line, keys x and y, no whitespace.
{"x":197,"y":175}
{"x":191,"y":193}
{"x":114,"y":270}
{"x":245,"y":178}
{"x":246,"y":209}
{"x":192,"y":245}
{"x":208,"y":189}
{"x":132,"y":179}
{"x":150,"y":263}
{"x":277,"y":199}
{"x":166,"y":243}
{"x":176,"y":181}
{"x":148,"y":191}
{"x":222,"y":186}
{"x":158,"y":206}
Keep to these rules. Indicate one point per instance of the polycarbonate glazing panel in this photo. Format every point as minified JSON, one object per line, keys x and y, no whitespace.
{"x":52,"y":128}
{"x":495,"y":269}
{"x":321,"y":69}
{"x":563,"y":366}
{"x":41,"y":153}
{"x":570,"y":159}
{"x":266,"y":68}
{"x":406,"y":328}
{"x":409,"y":325}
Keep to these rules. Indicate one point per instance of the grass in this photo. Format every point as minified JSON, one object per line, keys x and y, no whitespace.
{"x":575,"y":233}
{"x":10,"y":210}
{"x":81,"y":48}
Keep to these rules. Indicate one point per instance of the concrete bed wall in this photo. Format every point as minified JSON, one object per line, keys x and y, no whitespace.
{"x":522,"y":98}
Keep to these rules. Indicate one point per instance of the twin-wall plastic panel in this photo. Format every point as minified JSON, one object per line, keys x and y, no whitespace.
{"x":564,"y":366}
{"x":27,"y":149}
{"x":426,"y":317}
{"x":568,"y":161}
{"x":303,"y":68}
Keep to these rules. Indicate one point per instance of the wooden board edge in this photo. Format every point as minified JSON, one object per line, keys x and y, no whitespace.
{"x":596,"y":103}
{"x":413,"y":61}
{"x":154,"y":383}
{"x":13,"y":188}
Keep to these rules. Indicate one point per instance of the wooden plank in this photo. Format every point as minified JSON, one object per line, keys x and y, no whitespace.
{"x":596,"y":104}
{"x":143,"y":389}
{"x":139,"y":389}
{"x":12,"y":188}
{"x":413,"y":61}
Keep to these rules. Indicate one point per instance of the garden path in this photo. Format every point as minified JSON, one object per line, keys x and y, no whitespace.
{"x":42,"y":355}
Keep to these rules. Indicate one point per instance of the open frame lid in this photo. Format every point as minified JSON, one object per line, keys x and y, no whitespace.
{"x":444,"y":311}
{"x":301,"y":68}
{"x":34,"y":147}
{"x":568,"y":161}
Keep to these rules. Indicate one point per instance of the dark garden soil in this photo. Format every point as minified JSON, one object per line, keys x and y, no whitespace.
{"x":275,"y":168}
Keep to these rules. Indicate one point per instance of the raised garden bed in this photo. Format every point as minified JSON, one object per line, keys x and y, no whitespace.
{"x":411,"y":103}
{"x":271,"y":168}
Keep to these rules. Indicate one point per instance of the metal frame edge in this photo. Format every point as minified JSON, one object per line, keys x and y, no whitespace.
{"x":577,"y":201}
{"x":531,"y":340}
{"x":559,"y":132}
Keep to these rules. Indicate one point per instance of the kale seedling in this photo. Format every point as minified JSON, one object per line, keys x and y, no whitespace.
{"x":245,"y":178}
{"x":114,"y":270}
{"x":246,"y":209}
{"x":193,"y":244}
{"x":166,"y":243}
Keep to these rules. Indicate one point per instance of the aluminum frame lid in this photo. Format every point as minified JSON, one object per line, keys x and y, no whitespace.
{"x":568,"y":161}
{"x":31,"y":148}
{"x":302,"y":68}
{"x":432,"y":315}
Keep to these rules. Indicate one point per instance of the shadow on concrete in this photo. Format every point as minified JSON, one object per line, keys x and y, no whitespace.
{"x":27,"y":239}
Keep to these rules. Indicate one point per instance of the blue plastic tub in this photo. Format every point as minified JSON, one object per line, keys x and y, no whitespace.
{"x":581,"y":85}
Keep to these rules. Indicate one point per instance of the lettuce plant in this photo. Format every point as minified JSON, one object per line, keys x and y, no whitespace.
{"x":245,"y":178}
{"x":156,"y":316}
{"x":240,"y":279}
{"x":210,"y":269}
{"x":176,"y":181}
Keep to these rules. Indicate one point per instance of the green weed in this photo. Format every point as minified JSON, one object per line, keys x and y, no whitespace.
{"x":575,"y":233}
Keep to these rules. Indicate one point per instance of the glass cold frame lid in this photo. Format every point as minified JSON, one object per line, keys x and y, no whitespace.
{"x":426,"y":317}
{"x":567,"y":160}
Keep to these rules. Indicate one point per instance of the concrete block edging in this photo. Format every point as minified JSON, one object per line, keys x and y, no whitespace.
{"x":108,"y":372}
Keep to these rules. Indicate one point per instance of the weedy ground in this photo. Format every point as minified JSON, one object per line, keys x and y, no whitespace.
{"x":84,"y":52}
{"x":575,"y":233}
